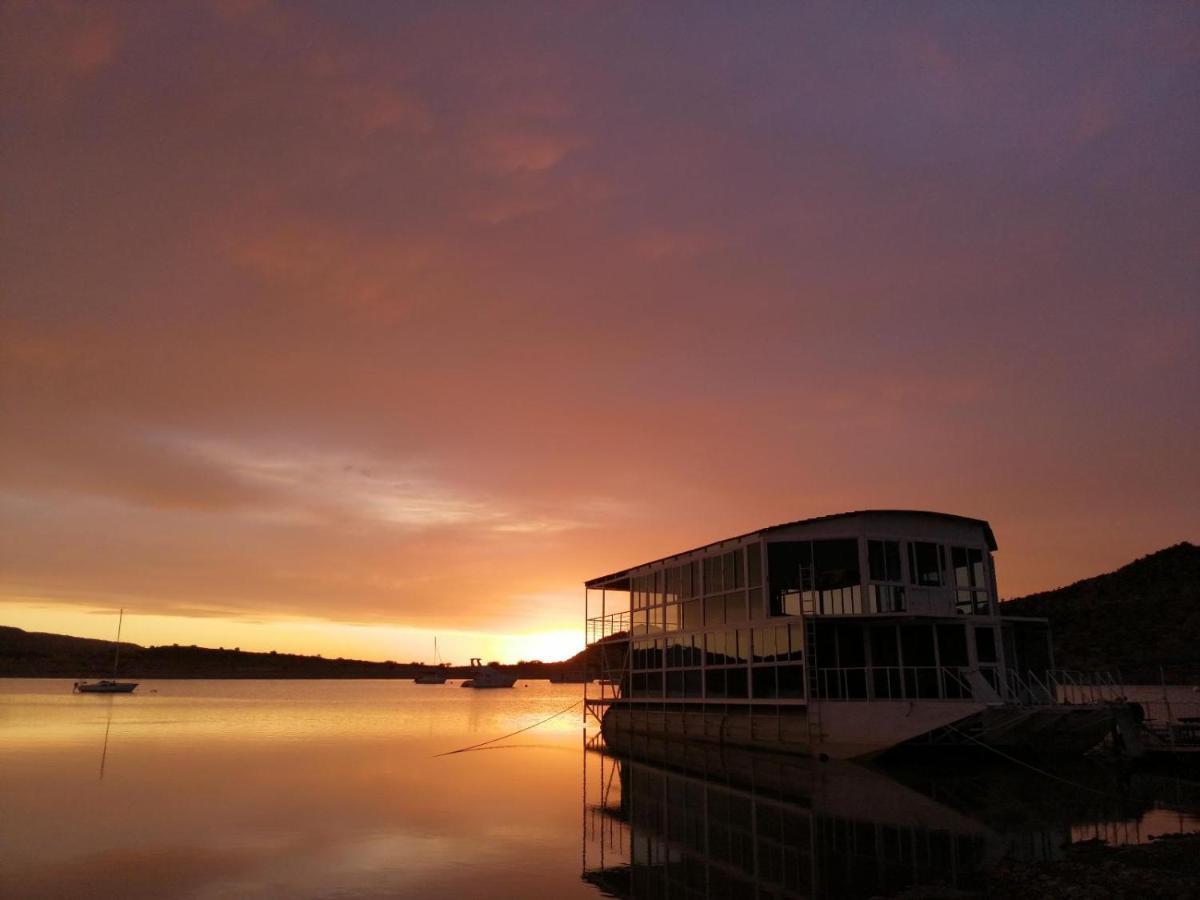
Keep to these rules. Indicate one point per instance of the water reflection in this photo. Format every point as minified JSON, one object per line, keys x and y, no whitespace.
{"x":667,"y":819}
{"x":323,"y":789}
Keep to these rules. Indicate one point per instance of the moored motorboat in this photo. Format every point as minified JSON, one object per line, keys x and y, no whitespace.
{"x":488,"y":677}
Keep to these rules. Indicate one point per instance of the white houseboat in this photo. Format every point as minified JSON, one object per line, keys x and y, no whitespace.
{"x":840,"y":636}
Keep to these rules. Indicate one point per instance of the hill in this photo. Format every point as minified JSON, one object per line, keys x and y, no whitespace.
{"x":39,"y":655}
{"x":1141,"y":616}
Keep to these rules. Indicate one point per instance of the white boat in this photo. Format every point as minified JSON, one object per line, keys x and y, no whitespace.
{"x":108,"y":686}
{"x":436,"y":675}
{"x":487,"y":677}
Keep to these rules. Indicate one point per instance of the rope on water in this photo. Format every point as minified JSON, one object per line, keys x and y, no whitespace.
{"x":1020,"y":762}
{"x":511,"y":733}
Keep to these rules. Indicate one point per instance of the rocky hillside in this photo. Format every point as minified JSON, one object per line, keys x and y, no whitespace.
{"x":1141,"y":616}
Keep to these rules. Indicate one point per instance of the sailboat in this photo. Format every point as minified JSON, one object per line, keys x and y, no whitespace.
{"x":433,"y":676}
{"x":108,"y":686}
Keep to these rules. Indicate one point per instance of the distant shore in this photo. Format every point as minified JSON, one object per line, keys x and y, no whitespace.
{"x":30,"y":654}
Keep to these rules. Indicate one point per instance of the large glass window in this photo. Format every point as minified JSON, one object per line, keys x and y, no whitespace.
{"x":970,"y":580}
{"x":836,"y":576}
{"x":884,"y":560}
{"x":754,"y":565}
{"x":784,"y":561}
{"x":926,"y":562}
{"x":814,"y":576}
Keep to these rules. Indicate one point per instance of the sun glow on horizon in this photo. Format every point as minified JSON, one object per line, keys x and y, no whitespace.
{"x":307,"y":637}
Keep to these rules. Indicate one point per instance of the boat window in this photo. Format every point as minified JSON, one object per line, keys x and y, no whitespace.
{"x":763,"y":682}
{"x":851,"y":646}
{"x":733,"y":570}
{"x":756,"y":603}
{"x":985,"y":645}
{"x":836,"y":575}
{"x":784,"y":561}
{"x":883,"y":646}
{"x":970,"y":579}
{"x":952,"y":645}
{"x":754,"y":565}
{"x":885,"y":598}
{"x":916,"y":644}
{"x":791,"y":681}
{"x":735,"y":607}
{"x":713,"y":578}
{"x":925,"y":563}
{"x":714,"y":610}
{"x":736,"y":683}
{"x":883,"y":559}
{"x":796,"y":633}
{"x":714,"y":683}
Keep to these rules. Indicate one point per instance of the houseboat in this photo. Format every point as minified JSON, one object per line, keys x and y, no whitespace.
{"x":837,"y":637}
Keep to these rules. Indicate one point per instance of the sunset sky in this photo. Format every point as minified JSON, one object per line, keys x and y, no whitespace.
{"x":331,"y":327}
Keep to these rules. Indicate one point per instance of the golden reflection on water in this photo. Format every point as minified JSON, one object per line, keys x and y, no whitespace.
{"x":214,"y":789}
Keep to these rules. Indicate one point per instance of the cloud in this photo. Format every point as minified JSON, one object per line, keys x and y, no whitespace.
{"x":402,"y":314}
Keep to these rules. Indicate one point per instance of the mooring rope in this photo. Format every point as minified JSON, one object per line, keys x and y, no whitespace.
{"x":510,"y":734}
{"x":1021,"y":762}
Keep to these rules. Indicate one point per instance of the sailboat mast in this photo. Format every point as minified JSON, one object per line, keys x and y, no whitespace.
{"x":117,"y":658}
{"x":436,"y":656}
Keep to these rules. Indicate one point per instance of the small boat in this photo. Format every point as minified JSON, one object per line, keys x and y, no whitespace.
{"x":108,"y":686}
{"x":487,"y":677}
{"x":105,"y":687}
{"x":436,"y":675}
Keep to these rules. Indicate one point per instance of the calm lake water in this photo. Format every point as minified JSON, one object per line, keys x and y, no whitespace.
{"x":204,"y":789}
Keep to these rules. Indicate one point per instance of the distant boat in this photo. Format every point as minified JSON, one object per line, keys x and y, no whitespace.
{"x":433,"y":676}
{"x":108,"y":686}
{"x":105,"y":687}
{"x":488,"y":677}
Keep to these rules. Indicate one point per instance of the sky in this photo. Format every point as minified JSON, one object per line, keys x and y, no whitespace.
{"x":334,"y":327}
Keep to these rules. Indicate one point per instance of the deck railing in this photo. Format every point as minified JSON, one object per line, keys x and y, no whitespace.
{"x":1061,"y":686}
{"x":600,"y":627}
{"x":894,"y":683}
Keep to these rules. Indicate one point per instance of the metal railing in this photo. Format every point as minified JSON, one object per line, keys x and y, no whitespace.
{"x":600,"y":627}
{"x":894,"y":683}
{"x":1054,"y":686}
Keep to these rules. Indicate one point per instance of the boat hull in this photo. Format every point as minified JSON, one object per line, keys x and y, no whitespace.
{"x":843,"y":730}
{"x":107,"y":687}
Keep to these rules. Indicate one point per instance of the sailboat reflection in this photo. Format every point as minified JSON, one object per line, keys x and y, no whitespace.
{"x":107,"y":729}
{"x":664,"y":818}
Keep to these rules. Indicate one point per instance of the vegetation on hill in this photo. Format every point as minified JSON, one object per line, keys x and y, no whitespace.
{"x":1134,"y":620}
{"x":34,"y":654}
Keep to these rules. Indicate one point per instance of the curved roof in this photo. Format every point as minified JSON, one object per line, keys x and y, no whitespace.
{"x":987,"y":530}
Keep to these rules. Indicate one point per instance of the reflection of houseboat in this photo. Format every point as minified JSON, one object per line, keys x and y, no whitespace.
{"x":842,"y":636}
{"x":665,"y":818}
